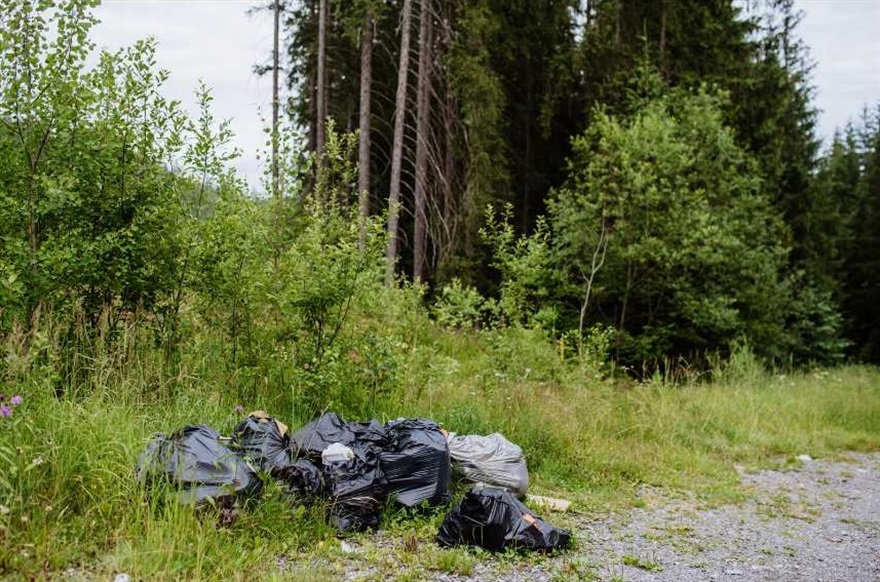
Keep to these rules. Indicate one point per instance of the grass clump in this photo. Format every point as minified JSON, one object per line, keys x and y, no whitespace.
{"x":642,"y":564}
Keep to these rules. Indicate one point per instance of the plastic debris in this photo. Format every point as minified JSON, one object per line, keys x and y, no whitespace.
{"x":353,"y":480}
{"x":357,"y":490}
{"x":311,"y":440}
{"x":492,"y":518}
{"x":348,"y":547}
{"x":416,"y":463}
{"x":264,"y":441}
{"x":336,"y":453}
{"x":304,"y":481}
{"x":492,"y":460}
{"x":355,"y":467}
{"x":197,"y":461}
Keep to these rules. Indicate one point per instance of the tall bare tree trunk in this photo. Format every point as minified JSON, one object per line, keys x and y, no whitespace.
{"x":422,"y":126}
{"x":397,"y":147}
{"x":364,"y":143}
{"x":662,"y":48}
{"x":276,"y":191}
{"x":618,"y":8}
{"x":322,"y":79}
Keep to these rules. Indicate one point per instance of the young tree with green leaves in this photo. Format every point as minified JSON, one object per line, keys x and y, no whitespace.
{"x":666,"y":235}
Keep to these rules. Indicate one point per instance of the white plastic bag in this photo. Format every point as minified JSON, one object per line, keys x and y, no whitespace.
{"x":336,"y":453}
{"x":492,"y":460}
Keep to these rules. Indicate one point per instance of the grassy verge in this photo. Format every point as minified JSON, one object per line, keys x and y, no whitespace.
{"x":69,"y":501}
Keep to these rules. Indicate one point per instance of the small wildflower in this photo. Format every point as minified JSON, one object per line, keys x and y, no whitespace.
{"x":15,"y":400}
{"x":5,"y":411}
{"x":238,"y":409}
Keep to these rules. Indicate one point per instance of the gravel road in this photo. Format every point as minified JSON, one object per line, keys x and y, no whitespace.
{"x":817,"y":522}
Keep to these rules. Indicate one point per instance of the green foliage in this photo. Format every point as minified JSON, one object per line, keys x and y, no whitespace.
{"x":67,"y":462}
{"x":314,"y":289}
{"x":526,"y":267}
{"x":459,"y":306}
{"x":481,"y":100}
{"x":142,"y":289}
{"x":851,"y":178}
{"x":88,"y":204}
{"x":663,"y":220}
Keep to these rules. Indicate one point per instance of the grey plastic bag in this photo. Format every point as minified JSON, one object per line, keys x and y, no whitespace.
{"x":492,"y":460}
{"x":200,"y":464}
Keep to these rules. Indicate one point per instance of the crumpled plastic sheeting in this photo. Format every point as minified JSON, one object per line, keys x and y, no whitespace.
{"x":201,"y":465}
{"x":357,"y":490}
{"x":416,"y":463}
{"x":357,"y":487}
{"x":406,"y":460}
{"x":311,"y":440}
{"x":263,"y":442}
{"x":492,"y":518}
{"x":492,"y":460}
{"x":304,"y":480}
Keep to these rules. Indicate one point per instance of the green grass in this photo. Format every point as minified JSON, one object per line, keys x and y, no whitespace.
{"x":69,"y":500}
{"x":643,"y":564}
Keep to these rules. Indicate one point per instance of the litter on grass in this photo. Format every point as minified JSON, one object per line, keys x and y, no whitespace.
{"x":201,"y":465}
{"x":355,"y":468}
{"x":492,"y":460}
{"x":494,"y":519}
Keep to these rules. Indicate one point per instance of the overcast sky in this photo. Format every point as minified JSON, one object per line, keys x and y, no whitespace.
{"x":215,"y":40}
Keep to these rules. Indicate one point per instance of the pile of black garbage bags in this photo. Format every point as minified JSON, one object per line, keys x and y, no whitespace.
{"x":354,"y":469}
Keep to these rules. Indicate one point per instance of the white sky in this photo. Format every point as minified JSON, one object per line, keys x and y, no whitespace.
{"x":212,"y":40}
{"x":216,"y":41}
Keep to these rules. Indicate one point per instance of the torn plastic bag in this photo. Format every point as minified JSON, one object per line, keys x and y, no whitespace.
{"x":203,"y":468}
{"x":311,"y":440}
{"x":416,"y":463}
{"x":492,"y":460}
{"x":357,"y":489}
{"x":265,"y":442}
{"x":494,"y":519}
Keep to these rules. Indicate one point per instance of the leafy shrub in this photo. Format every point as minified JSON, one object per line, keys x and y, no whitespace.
{"x":459,"y":306}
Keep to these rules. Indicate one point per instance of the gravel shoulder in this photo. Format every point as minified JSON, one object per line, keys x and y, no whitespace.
{"x":816,"y":522}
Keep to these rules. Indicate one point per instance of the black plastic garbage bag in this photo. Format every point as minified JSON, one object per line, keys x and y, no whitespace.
{"x":302,"y":479}
{"x":356,"y":487}
{"x":494,"y":519}
{"x":357,"y":490}
{"x":202,"y":467}
{"x":311,"y":440}
{"x":416,"y":463}
{"x":262,"y":441}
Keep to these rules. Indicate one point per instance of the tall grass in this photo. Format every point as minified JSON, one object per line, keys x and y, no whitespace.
{"x":69,"y":499}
